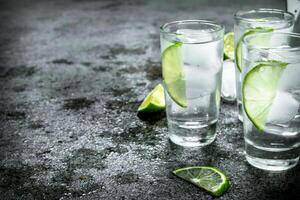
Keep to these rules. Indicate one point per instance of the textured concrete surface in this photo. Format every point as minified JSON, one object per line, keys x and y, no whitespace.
{"x":72,"y":74}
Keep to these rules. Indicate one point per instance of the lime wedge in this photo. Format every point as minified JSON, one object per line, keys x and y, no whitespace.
{"x":259,"y":90}
{"x":229,"y":45}
{"x":173,"y":75}
{"x":154,"y":101}
{"x":208,"y":178}
{"x":238,"y":50}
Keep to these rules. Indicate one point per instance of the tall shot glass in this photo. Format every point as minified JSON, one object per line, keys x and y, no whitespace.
{"x":271,"y":99}
{"x":192,"y":56}
{"x":251,"y":22}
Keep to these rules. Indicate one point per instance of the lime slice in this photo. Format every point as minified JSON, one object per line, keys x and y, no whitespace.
{"x":259,"y":90}
{"x":154,"y":101}
{"x":208,"y":178}
{"x":173,"y":75}
{"x":238,"y":51}
{"x":229,"y":45}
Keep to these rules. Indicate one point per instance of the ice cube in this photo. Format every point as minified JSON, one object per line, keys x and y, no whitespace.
{"x":228,"y":81}
{"x":199,"y":81}
{"x":284,"y":109}
{"x":200,"y":49}
{"x":205,"y":55}
{"x":290,"y":77}
{"x":194,"y":36}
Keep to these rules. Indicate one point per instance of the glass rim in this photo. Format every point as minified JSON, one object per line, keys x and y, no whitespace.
{"x":246,"y":39}
{"x":239,"y":14}
{"x":219,"y":26}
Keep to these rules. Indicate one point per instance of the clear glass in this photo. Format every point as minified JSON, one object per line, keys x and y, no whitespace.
{"x":245,"y":21}
{"x":201,"y":62}
{"x":276,"y":146}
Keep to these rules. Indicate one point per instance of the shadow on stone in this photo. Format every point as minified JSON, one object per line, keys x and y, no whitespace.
{"x":21,"y":70}
{"x":151,"y":118}
{"x":77,"y":103}
{"x":118,"y":49}
{"x":20,"y":88}
{"x":100,"y":68}
{"x":126,"y":178}
{"x":62,"y":61}
{"x":16,"y":115}
{"x":14,"y":178}
{"x":112,"y":5}
{"x":86,"y":64}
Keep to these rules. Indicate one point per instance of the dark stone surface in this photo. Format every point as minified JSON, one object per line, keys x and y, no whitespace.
{"x":72,"y":74}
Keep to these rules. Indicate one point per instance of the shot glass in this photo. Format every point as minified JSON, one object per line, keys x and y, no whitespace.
{"x":271,"y":99}
{"x":250,"y":22}
{"x":192,"y":56}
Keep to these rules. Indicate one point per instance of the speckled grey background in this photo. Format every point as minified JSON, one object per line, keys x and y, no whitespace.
{"x":72,"y":74}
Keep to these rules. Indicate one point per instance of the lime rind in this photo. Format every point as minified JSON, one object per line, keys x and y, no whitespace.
{"x":154,"y":101}
{"x":173,"y":73}
{"x":259,"y":90}
{"x":238,"y":51}
{"x":208,"y":178}
{"x":229,"y":46}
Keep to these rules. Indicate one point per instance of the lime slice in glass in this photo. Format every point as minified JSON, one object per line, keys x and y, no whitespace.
{"x":154,"y":101}
{"x":173,"y":75}
{"x":259,"y":90}
{"x":229,"y":45}
{"x":208,"y":178}
{"x":238,"y":51}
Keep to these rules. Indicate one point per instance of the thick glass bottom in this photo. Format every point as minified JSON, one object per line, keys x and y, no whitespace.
{"x":272,"y":164}
{"x":192,"y":134}
{"x":271,"y":159}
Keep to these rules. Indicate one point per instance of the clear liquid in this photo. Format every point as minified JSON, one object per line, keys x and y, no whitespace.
{"x":277,"y":147}
{"x":272,"y":150}
{"x":239,"y":29}
{"x":195,"y":125}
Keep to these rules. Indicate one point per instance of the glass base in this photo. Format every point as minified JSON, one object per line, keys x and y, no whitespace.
{"x":269,"y":157}
{"x":272,"y":164}
{"x":191,"y":141}
{"x":192,"y":135}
